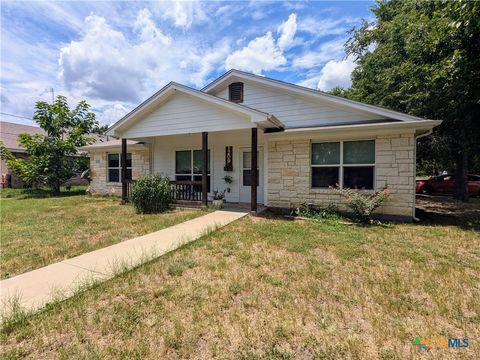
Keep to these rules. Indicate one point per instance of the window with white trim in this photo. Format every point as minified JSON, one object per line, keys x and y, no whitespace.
{"x":189,"y":165}
{"x":350,"y":164}
{"x":114,"y":167}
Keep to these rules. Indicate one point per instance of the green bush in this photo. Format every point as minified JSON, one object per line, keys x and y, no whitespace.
{"x":363,"y":204}
{"x":315,"y":212}
{"x":151,"y":194}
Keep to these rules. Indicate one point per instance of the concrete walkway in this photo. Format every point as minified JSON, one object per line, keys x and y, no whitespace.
{"x":33,"y":290}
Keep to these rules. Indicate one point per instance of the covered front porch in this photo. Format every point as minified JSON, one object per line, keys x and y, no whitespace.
{"x":202,"y":164}
{"x":204,"y":144}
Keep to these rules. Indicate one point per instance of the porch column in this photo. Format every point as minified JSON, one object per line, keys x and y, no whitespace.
{"x":205,"y":168}
{"x":254,"y":173}
{"x":123,"y":161}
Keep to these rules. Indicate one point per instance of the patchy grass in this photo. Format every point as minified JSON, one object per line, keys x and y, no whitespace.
{"x":37,"y":193}
{"x":40,"y":230}
{"x":267,"y":288}
{"x":177,"y":268}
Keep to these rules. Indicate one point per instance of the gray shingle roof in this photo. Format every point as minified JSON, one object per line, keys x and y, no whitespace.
{"x":9,"y":134}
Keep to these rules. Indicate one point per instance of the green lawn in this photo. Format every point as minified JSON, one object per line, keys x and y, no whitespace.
{"x":38,"y":229}
{"x":268,"y":288}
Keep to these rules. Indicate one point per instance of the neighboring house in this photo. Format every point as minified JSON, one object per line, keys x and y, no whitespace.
{"x":9,"y":137}
{"x":307,"y":141}
{"x":9,"y":133}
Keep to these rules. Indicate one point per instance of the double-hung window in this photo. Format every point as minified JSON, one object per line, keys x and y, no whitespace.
{"x":325,"y":164}
{"x":189,"y":165}
{"x":348,"y":164}
{"x":114,"y":171}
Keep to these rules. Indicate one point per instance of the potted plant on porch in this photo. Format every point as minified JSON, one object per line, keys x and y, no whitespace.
{"x":228,"y":180}
{"x":218,"y":197}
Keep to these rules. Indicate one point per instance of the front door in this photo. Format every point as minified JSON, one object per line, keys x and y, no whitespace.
{"x":245,"y":175}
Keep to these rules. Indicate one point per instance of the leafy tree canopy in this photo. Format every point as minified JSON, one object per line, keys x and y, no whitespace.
{"x":54,"y":158}
{"x":423,"y":58}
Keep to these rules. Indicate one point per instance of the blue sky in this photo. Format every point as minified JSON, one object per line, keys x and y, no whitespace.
{"x":116,"y":54}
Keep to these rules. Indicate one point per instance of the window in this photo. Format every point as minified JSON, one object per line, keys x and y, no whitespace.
{"x":114,"y":171}
{"x":235,"y":92}
{"x":350,"y":164}
{"x":188,"y":166}
{"x":325,"y":164}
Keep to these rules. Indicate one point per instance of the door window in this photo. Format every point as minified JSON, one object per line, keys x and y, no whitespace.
{"x":247,"y":169}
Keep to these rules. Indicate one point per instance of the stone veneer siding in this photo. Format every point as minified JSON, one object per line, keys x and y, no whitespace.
{"x":289,"y":175}
{"x":98,"y":170}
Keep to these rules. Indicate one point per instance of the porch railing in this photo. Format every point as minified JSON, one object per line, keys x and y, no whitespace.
{"x":129,"y":188}
{"x":187,"y":190}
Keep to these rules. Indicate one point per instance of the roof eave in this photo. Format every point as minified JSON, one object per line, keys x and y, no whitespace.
{"x":113,"y":146}
{"x":423,"y":125}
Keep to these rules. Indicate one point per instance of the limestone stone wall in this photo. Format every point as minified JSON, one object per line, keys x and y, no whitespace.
{"x":289,"y":174}
{"x":395,"y":168}
{"x":98,"y":170}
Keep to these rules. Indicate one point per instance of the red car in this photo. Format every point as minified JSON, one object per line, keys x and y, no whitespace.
{"x":444,"y":184}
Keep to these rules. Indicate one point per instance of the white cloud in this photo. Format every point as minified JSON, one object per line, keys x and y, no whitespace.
{"x":208,"y":61}
{"x":336,"y":73}
{"x":105,"y":64}
{"x":310,"y":81}
{"x":55,"y":12}
{"x":98,"y":65}
{"x":324,"y":26}
{"x":327,"y":51}
{"x":261,"y":54}
{"x":264,"y":53}
{"x":287,"y":32}
{"x":258,"y":15}
{"x":147,"y":29}
{"x":183,"y":13}
{"x":26,"y":72}
{"x":109,"y":114}
{"x":109,"y":67}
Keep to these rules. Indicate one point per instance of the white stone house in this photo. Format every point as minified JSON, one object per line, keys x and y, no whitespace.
{"x":307,"y":141}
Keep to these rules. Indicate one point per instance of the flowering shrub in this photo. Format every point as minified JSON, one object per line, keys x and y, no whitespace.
{"x":364,"y":204}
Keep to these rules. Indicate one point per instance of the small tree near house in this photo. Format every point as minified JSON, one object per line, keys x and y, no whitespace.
{"x":54,"y":158}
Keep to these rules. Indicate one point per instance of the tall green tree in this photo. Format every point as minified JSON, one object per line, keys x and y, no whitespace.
{"x":423,"y":58}
{"x":54,"y":158}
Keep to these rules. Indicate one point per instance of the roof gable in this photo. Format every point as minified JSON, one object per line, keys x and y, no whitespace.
{"x":296,"y":111}
{"x":178,"y":99}
{"x":376,"y":112}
